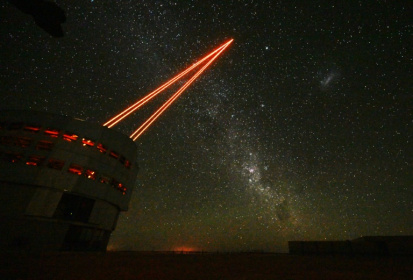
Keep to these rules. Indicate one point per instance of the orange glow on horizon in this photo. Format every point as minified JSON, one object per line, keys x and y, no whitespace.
{"x":129,"y":110}
{"x":185,"y":249}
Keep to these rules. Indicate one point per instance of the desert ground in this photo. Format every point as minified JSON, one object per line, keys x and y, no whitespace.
{"x":152,"y":265}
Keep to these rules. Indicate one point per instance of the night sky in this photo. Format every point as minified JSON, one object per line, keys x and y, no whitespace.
{"x":301,"y":130}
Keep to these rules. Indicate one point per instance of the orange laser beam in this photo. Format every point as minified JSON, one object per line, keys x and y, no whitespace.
{"x":154,"y":116}
{"x":129,"y":110}
{"x":144,"y":126}
{"x":145,"y":99}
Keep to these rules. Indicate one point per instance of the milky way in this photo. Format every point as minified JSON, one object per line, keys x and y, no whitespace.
{"x":302,"y":130}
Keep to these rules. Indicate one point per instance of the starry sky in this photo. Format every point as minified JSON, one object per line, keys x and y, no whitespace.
{"x":301,"y":130}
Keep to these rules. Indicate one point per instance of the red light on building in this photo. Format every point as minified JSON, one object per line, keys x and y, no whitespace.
{"x":121,"y":188}
{"x":90,"y":174}
{"x":70,"y":137}
{"x":101,"y":148}
{"x":118,"y":186}
{"x":88,"y":142}
{"x":35,"y":160}
{"x":104,"y":180}
{"x":128,"y":164}
{"x":52,"y":132}
{"x":75,"y":169}
{"x":114,"y":154}
{"x":32,"y":128}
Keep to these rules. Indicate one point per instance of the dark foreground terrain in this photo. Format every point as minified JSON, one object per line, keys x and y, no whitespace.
{"x":140,"y":265}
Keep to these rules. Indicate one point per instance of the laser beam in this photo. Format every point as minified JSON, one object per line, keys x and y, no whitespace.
{"x":129,"y":110}
{"x":135,"y":135}
{"x":151,"y":119}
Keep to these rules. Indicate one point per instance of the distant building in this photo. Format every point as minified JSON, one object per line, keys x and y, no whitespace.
{"x":367,"y":245}
{"x":63,"y":182}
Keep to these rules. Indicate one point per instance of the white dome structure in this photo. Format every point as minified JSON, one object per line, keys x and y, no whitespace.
{"x":63,"y":182}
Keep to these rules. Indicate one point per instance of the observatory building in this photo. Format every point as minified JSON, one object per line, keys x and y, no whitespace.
{"x":63,"y":182}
